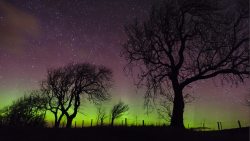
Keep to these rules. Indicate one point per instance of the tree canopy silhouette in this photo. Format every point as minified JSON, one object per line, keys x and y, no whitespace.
{"x":118,"y":110}
{"x":65,"y":86}
{"x":27,"y":111}
{"x":186,"y":41}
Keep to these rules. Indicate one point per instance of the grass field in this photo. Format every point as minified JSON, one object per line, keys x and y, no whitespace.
{"x":121,"y":134}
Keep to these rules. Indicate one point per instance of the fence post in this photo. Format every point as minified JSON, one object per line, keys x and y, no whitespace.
{"x":91,"y":123}
{"x":239,"y":123}
{"x":218,"y":123}
{"x":142,"y":122}
{"x":135,"y":120}
{"x":125,"y":121}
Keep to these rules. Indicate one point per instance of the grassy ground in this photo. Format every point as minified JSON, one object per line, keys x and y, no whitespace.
{"x":121,"y":134}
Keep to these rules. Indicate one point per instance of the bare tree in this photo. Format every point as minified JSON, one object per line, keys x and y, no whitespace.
{"x":101,"y":115}
{"x":27,"y":111}
{"x":186,"y":41}
{"x":65,"y":86}
{"x":117,"y":111}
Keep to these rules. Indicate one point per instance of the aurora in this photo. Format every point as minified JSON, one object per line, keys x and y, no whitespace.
{"x":36,"y":36}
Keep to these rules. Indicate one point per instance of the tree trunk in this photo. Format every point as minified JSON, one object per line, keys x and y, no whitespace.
{"x":112,"y":122}
{"x":57,"y":120}
{"x":69,"y":122}
{"x":57,"y":124}
{"x":178,"y":109}
{"x":101,"y":122}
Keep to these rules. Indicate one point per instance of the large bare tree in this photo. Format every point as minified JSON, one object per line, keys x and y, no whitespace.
{"x":65,"y":86}
{"x":184,"y":41}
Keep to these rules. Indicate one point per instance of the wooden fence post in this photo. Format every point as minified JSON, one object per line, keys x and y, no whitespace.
{"x":220,"y":126}
{"x":135,"y":120}
{"x":218,"y":123}
{"x":82,"y":123}
{"x":91,"y":123}
{"x":125,"y":121}
{"x":239,"y":123}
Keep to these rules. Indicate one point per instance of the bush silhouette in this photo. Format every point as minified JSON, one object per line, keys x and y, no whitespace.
{"x":27,"y":111}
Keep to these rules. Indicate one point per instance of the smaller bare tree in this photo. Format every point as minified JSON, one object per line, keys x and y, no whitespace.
{"x":118,"y":110}
{"x":101,"y":115}
{"x":66,"y":86}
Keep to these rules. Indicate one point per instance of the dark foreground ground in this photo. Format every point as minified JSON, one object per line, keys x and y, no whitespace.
{"x":121,"y":134}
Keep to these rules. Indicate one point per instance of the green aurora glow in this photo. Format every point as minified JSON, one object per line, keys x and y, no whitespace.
{"x":195,"y":114}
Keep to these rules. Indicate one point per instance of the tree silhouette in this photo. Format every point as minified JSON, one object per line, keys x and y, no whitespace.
{"x":101,"y":115}
{"x":117,"y":111}
{"x":65,"y":86}
{"x":186,"y":41}
{"x":27,"y":111}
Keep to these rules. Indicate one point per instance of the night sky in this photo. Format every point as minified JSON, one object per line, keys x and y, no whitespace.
{"x":39,"y":34}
